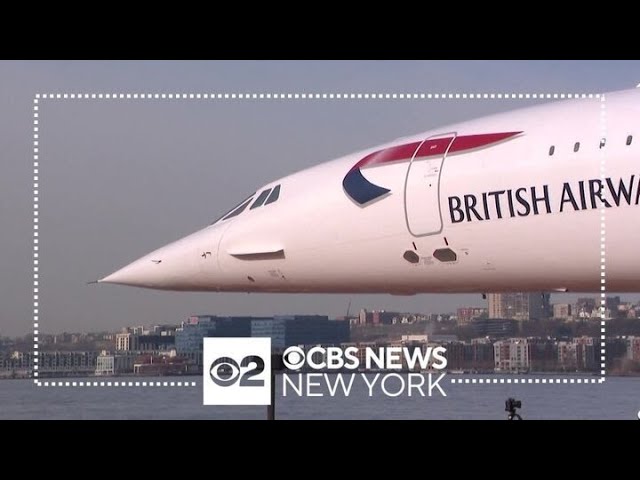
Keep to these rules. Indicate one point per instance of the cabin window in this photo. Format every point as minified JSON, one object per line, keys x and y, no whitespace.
{"x":629,"y":140}
{"x":552,"y":149}
{"x":576,"y":147}
{"x":261,"y":198}
{"x":238,"y":210}
{"x":275,"y":194}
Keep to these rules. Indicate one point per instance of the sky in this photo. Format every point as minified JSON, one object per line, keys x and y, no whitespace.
{"x":121,"y":178}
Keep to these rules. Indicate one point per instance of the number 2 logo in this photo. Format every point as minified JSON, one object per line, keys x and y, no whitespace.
{"x":226,"y":372}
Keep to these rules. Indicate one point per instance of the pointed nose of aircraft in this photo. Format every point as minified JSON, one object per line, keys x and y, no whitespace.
{"x":182,"y":265}
{"x":144,"y":272}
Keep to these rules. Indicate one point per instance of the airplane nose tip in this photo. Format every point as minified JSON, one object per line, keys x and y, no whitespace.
{"x":140,"y":273}
{"x":181,"y":265}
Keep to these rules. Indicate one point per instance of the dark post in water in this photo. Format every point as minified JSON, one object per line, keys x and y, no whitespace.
{"x":276,"y":366}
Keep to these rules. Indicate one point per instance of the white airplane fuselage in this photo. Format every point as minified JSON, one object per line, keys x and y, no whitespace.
{"x":520,"y":201}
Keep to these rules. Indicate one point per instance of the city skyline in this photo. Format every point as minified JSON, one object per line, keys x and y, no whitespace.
{"x":581,"y":309}
{"x":526,"y":337}
{"x":489,"y":346}
{"x":121,"y":178}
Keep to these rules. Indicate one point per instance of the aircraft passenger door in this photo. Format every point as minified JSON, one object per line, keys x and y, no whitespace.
{"x":422,"y":185}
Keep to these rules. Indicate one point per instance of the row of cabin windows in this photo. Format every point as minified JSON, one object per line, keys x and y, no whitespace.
{"x":576,"y":146}
{"x":266,"y":197}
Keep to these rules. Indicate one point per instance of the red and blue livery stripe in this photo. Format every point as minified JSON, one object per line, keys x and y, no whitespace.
{"x":362,"y":191}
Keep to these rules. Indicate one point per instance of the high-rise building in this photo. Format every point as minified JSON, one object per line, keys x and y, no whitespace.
{"x":519,"y":305}
{"x":495,"y":305}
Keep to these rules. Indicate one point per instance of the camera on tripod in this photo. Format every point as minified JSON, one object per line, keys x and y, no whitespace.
{"x":510,"y":406}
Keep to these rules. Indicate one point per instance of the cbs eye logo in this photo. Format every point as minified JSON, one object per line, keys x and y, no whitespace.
{"x":226,"y":372}
{"x":293,"y":358}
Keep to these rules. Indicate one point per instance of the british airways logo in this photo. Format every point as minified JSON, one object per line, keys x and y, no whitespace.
{"x":362,"y":191}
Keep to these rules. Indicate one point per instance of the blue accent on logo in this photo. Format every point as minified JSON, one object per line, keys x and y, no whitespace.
{"x":360,"y":189}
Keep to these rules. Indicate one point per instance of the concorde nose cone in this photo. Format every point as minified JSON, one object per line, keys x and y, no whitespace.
{"x":164,"y":268}
{"x":144,"y":272}
{"x":188,"y":264}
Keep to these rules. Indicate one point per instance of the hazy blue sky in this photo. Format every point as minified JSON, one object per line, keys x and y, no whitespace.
{"x":120,"y":178}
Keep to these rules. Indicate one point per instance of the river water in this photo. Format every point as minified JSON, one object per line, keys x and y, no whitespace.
{"x":617,"y":398}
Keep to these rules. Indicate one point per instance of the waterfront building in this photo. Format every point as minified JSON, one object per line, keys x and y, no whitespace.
{"x":105,"y":364}
{"x":567,"y":355}
{"x":126,"y":342}
{"x":108,"y":363}
{"x":494,"y":327}
{"x":544,"y":354}
{"x":633,"y":348}
{"x":150,"y":342}
{"x":478,"y":354}
{"x":587,"y":353}
{"x":188,"y":337}
{"x":512,"y":355}
{"x":288,"y":330}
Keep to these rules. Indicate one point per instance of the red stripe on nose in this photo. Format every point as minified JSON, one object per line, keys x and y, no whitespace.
{"x":470,"y":142}
{"x":436,"y":146}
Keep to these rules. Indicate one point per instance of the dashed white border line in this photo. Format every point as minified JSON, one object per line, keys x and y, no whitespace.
{"x":603,"y":242}
{"x":301,"y":96}
{"x":102,"y":383}
{"x":313,"y":96}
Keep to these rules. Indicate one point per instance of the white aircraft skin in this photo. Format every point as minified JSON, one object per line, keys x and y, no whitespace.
{"x":333,"y":232}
